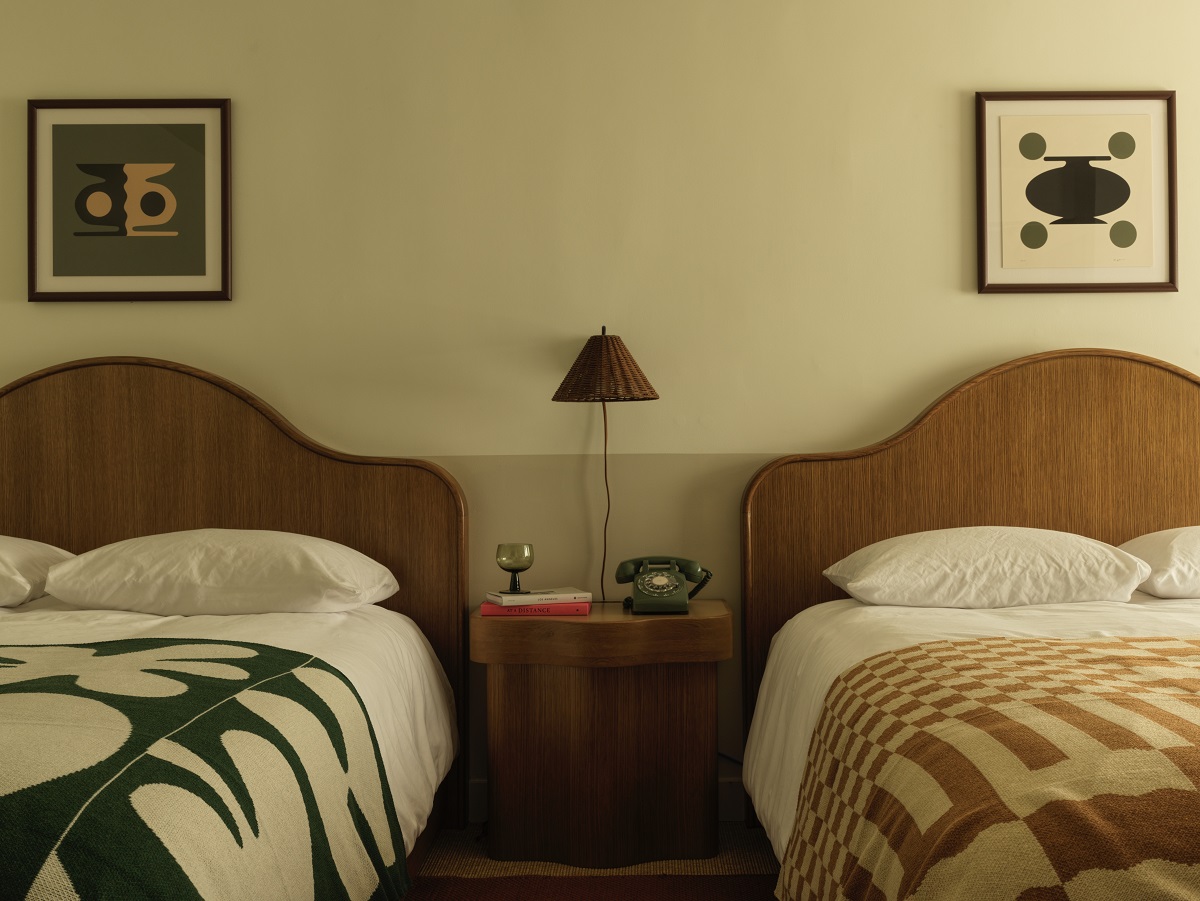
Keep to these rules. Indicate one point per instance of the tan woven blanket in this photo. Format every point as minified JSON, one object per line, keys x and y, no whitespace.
{"x":1023,"y":768}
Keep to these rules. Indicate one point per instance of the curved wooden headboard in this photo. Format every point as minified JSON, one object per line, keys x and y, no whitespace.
{"x":1097,"y":442}
{"x":109,"y":448}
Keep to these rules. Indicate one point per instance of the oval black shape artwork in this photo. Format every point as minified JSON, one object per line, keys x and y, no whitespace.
{"x":1077,"y":192}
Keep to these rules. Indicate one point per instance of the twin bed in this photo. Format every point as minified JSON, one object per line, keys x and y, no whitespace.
{"x":249,"y":674}
{"x":1008,"y":705}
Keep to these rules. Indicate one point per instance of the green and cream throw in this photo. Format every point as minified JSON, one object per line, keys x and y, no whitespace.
{"x":189,"y":768}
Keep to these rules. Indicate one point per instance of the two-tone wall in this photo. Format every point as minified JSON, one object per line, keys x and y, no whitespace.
{"x":437,"y":201}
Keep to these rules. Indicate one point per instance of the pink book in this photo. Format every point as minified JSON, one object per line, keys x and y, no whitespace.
{"x":570,"y":608}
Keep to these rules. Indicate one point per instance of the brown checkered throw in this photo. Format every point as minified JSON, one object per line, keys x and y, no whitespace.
{"x":1005,"y":768}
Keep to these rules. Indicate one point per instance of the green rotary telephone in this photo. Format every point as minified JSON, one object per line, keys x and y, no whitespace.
{"x":660,"y":583}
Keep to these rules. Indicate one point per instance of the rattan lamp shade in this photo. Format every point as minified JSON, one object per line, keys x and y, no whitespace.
{"x":604,"y":372}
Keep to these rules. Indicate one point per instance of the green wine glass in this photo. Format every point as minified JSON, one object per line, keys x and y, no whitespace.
{"x":513,"y":559}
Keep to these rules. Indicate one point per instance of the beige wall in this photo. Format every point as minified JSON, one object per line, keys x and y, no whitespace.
{"x":436,"y":202}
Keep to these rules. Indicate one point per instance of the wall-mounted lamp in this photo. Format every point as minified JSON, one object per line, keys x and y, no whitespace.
{"x":605,"y":372}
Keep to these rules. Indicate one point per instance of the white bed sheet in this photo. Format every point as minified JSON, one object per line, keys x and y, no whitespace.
{"x":818,"y":644}
{"x":383,"y":654}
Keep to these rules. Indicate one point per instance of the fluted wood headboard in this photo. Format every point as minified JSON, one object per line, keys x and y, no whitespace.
{"x":1102,"y":443}
{"x":99,"y":450}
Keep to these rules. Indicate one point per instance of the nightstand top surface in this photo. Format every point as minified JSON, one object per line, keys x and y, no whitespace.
{"x":608,"y":636}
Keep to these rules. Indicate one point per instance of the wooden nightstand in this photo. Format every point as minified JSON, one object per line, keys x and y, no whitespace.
{"x":602,"y":733}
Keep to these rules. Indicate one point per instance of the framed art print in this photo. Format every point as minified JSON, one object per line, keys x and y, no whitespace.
{"x":129,"y":200}
{"x":1076,"y":191}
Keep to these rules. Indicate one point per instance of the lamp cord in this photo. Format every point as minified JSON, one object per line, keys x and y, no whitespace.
{"x":607,"y":503}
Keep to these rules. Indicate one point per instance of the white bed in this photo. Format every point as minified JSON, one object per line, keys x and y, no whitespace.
{"x":130,"y":448}
{"x":817,"y":645}
{"x":1018,"y":786}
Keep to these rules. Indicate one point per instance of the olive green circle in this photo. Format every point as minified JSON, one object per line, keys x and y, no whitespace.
{"x":1123,"y":233}
{"x":1034,"y":235}
{"x":1033,"y":146}
{"x":1121,"y":145}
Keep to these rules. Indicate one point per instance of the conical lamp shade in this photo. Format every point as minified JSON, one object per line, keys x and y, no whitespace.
{"x":605,"y":371}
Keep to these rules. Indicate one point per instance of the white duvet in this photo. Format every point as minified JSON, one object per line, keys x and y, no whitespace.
{"x":818,"y":644}
{"x":383,"y":653}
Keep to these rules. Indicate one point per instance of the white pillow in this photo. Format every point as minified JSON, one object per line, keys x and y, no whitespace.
{"x":23,"y":567}
{"x":221,"y":571}
{"x":1174,"y":558}
{"x":988,"y":566}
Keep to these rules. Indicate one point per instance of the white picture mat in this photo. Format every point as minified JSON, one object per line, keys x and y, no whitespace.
{"x":1159,"y":268}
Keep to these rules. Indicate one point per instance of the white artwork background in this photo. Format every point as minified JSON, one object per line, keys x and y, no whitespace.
{"x":1076,"y":246}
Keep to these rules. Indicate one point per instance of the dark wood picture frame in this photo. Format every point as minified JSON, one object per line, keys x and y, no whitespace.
{"x":1151,"y":265}
{"x":102,"y":172}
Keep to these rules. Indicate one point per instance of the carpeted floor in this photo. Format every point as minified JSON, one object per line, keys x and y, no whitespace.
{"x":458,"y":869}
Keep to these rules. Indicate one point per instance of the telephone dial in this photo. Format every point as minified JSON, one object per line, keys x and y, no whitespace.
{"x":660,"y":583}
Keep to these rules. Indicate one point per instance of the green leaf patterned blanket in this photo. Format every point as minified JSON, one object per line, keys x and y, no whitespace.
{"x":183,"y":769}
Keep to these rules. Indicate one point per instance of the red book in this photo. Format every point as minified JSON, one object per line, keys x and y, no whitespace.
{"x":571,"y":608}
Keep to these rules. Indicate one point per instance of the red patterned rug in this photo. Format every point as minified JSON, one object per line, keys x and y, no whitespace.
{"x":594,"y":888}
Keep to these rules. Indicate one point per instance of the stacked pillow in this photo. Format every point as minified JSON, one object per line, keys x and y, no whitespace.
{"x":1174,"y":559}
{"x":24,"y":565}
{"x":202,"y":571}
{"x":1002,"y":566}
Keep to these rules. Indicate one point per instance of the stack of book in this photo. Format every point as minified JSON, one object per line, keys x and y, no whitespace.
{"x":547,"y":602}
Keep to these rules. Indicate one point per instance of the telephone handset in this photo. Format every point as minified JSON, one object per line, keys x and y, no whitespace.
{"x":659,"y":583}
